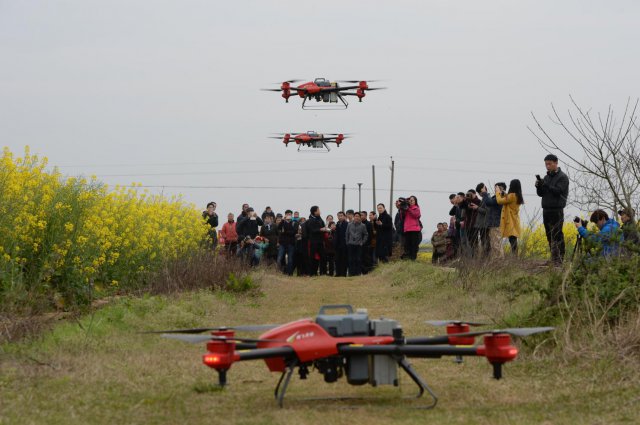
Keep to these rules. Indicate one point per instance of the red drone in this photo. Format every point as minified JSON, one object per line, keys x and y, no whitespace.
{"x":323,"y":90}
{"x":311,"y":139}
{"x":365,"y":351}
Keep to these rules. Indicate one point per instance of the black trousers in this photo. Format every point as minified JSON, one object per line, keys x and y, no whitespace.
{"x":316,"y":257}
{"x":355,"y":260}
{"x":342,"y":260}
{"x":412,"y":244}
{"x":553,"y":221}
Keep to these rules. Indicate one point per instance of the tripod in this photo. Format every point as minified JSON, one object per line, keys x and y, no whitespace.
{"x":577,"y":247}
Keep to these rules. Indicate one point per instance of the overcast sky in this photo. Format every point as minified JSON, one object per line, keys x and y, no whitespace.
{"x":166,"y":93}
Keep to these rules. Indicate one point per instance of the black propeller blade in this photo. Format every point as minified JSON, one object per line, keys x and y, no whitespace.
{"x":241,"y":328}
{"x":357,"y":81}
{"x":521,"y":332}
{"x":453,"y":322}
{"x":194,"y":339}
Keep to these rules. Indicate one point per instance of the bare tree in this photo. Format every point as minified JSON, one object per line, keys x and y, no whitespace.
{"x":606,"y":170}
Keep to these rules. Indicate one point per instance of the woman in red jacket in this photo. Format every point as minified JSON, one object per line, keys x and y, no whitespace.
{"x":412,"y":228}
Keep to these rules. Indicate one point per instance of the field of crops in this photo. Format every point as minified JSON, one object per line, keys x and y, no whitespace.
{"x":64,"y":240}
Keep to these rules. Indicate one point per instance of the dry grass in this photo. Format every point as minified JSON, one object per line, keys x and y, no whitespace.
{"x":104,"y":372}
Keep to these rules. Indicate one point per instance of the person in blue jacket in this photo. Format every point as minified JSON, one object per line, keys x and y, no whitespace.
{"x":609,"y":236}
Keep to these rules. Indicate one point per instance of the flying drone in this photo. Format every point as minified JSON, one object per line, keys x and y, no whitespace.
{"x":365,"y":351}
{"x":323,"y":90}
{"x":311,"y":139}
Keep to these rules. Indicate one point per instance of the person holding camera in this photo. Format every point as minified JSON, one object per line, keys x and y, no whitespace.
{"x":510,"y":217}
{"x":609,"y":237}
{"x":494,"y":216}
{"x":412,"y":227}
{"x":554,"y":191}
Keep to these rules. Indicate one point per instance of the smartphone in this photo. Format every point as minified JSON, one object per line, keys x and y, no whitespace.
{"x":538,"y":177}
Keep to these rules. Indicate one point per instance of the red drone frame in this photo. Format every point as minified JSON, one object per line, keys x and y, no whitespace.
{"x":323,"y":90}
{"x":366,"y":351}
{"x":311,"y":139}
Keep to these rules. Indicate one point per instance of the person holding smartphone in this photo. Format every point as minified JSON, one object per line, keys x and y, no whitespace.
{"x":554,"y":191}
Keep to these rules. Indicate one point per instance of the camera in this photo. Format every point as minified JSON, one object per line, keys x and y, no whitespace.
{"x":582,"y":222}
{"x":402,"y":203}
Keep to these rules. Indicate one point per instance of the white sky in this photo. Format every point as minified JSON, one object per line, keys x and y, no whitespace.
{"x":167,"y":93}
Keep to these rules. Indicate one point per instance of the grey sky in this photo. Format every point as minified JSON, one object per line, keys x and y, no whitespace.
{"x":166,"y":91}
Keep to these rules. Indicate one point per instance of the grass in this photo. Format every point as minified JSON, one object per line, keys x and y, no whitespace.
{"x":98,"y":369}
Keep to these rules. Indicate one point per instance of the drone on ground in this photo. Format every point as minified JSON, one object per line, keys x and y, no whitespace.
{"x":366,"y":351}
{"x":311,"y":139}
{"x":323,"y":90}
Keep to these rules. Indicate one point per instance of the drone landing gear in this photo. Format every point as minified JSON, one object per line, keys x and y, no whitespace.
{"x":279,"y":393}
{"x":344,"y":105}
{"x":406,"y":366}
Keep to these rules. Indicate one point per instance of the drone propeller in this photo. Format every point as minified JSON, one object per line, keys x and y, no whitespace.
{"x":194,"y":339}
{"x":295,"y":80}
{"x":271,"y":89}
{"x":337,"y":134}
{"x":453,"y":322}
{"x":357,"y":81}
{"x":376,"y":88}
{"x":242,"y":328}
{"x":521,"y":332}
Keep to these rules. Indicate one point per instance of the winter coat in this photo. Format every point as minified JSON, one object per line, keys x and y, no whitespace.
{"x":411,"y":219}
{"x":287,"y":233}
{"x":398,"y":224}
{"x":270,"y":233}
{"x":249,"y":228}
{"x":384,"y":231}
{"x":313,"y":226}
{"x":481,"y":212}
{"x":610,"y":237}
{"x":212,"y":220}
{"x":470,"y":214}
{"x":369,"y":226}
{"x":329,"y":242}
{"x":510,"y":217}
{"x":554,"y":190}
{"x":341,"y":234}
{"x":356,"y":234}
{"x":266,"y":214}
{"x":439,"y":242}
{"x":228,"y":232}
{"x":494,"y":211}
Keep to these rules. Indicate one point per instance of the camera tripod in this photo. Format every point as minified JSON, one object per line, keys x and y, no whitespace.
{"x":577,"y":247}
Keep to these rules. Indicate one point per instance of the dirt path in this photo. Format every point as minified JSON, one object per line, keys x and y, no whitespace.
{"x":104,"y":372}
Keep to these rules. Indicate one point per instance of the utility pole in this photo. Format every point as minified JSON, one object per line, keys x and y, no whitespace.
{"x":391,"y":196}
{"x":373,"y":175}
{"x":344,"y":188}
{"x":359,"y":197}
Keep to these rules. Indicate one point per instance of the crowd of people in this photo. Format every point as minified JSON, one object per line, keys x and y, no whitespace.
{"x":354,"y":242}
{"x":480,"y":222}
{"x":350,"y":244}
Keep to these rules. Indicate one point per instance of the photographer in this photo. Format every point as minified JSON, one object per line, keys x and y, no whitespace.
{"x":412,"y":228}
{"x":554,"y":191}
{"x":609,"y":235}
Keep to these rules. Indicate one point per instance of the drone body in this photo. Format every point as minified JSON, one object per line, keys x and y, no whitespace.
{"x":312,"y":139}
{"x":365,"y":351}
{"x":325,"y":91}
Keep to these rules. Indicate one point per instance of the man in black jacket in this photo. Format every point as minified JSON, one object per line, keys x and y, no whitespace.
{"x":367,"y":259}
{"x":554,"y":191}
{"x":341,"y":245}
{"x":384,"y":234}
{"x":315,"y":230}
{"x":287,"y":230}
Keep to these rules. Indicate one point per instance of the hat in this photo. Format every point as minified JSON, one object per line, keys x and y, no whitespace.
{"x":249,"y":209}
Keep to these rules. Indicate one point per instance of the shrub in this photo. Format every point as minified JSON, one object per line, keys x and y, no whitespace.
{"x":66,"y":240}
